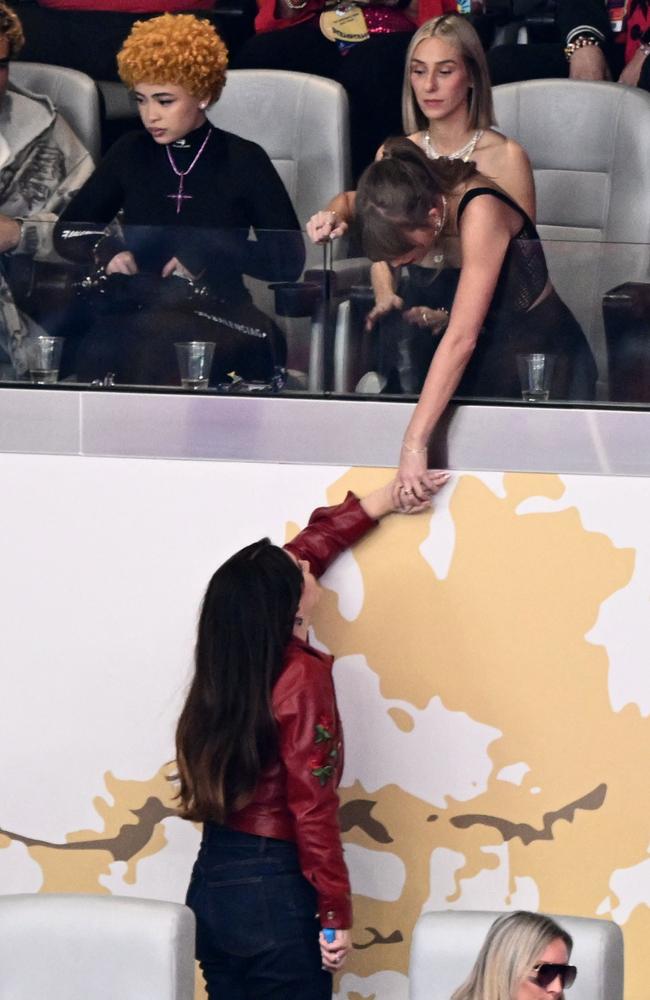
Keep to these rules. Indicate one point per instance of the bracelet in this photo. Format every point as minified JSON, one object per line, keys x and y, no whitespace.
{"x":414,"y":451}
{"x":645,"y":48}
{"x":581,"y":42}
{"x":440,"y":309}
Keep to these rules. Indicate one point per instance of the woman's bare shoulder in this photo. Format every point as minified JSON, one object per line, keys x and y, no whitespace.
{"x":501,"y":148}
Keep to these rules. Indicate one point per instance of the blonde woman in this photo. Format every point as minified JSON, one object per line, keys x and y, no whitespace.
{"x":447,"y":112}
{"x":525,"y":956}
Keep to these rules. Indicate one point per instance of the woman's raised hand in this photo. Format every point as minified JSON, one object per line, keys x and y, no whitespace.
{"x":122,"y":263}
{"x":334,"y":953}
{"x":324,"y":226}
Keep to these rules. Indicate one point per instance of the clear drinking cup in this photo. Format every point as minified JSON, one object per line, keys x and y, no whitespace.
{"x":194,"y":363}
{"x":535,"y":376}
{"x":44,"y":357}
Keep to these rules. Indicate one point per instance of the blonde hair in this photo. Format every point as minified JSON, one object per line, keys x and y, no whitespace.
{"x":11,"y":29}
{"x":175,"y":48}
{"x":513,"y":945}
{"x":458,"y":31}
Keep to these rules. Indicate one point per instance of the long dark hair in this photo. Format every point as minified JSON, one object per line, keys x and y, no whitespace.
{"x":226,"y":732}
{"x":396,"y":194}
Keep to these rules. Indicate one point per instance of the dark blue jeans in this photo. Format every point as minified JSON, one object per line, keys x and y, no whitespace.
{"x":257,"y":928}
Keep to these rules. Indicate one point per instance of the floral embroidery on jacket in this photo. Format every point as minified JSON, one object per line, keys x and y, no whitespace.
{"x":323,"y":765}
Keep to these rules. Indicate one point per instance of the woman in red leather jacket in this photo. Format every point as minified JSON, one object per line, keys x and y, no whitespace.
{"x":260,"y":754}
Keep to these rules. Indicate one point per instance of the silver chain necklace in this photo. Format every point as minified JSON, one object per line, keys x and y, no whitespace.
{"x":464,"y":153}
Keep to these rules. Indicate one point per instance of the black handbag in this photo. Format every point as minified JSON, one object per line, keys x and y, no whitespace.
{"x":128,"y":293}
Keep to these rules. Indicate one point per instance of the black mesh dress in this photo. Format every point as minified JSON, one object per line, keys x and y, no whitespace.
{"x":513,"y":325}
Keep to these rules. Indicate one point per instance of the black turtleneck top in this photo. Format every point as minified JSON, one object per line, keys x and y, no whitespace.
{"x":232,"y":187}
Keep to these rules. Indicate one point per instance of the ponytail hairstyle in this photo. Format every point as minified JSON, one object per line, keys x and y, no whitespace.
{"x":396,"y":194}
{"x":513,"y":945}
{"x":226,"y":733}
{"x":458,"y":31}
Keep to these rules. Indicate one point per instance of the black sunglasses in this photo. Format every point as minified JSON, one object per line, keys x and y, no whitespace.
{"x":545,"y":973}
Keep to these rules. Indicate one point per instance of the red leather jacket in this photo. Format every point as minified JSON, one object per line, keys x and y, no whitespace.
{"x":296,"y":798}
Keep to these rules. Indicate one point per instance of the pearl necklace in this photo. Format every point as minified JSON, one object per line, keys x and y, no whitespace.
{"x":464,"y":153}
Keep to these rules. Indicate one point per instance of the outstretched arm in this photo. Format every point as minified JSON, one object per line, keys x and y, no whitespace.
{"x":331,"y":530}
{"x":486,"y":228}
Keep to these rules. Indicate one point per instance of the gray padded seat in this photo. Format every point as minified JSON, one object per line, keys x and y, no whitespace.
{"x":589,"y":144}
{"x":445,"y":945}
{"x":302,"y":123}
{"x":64,"y":947}
{"x":72,"y":93}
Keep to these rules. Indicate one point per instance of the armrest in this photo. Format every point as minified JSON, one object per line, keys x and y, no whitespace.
{"x":345,"y":274}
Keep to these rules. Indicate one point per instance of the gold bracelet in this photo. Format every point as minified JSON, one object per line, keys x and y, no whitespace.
{"x":581,"y":42}
{"x":414,"y":451}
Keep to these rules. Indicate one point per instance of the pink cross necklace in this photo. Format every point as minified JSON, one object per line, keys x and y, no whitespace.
{"x":180,"y":197}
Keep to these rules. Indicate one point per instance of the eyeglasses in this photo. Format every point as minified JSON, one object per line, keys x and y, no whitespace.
{"x":545,"y":973}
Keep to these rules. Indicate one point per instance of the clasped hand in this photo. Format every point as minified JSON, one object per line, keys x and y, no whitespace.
{"x":415,"y":484}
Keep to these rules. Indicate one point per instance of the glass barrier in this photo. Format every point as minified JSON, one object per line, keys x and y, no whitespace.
{"x":186,"y":309}
{"x":271,"y":313}
{"x":583,"y":336}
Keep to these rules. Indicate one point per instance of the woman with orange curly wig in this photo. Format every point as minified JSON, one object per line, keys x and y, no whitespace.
{"x":187,"y":195}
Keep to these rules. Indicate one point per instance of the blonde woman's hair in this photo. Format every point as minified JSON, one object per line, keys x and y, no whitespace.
{"x":457,"y":30}
{"x":513,"y":945}
{"x":11,"y":29}
{"x":175,"y":48}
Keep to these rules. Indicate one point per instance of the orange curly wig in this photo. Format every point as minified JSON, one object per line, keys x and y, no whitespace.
{"x":175,"y":48}
{"x":11,"y":29}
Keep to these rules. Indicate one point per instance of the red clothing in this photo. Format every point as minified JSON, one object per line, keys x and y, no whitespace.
{"x":131,"y":6}
{"x":296,"y":798}
{"x":380,"y":18}
{"x":267,"y":21}
{"x":434,"y":8}
{"x":637,"y":23}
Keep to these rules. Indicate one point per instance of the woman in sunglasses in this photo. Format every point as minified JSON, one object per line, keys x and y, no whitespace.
{"x":524,"y":957}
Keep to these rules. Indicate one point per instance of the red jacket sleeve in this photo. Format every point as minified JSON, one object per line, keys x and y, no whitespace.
{"x":311,"y":749}
{"x":331,"y":530}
